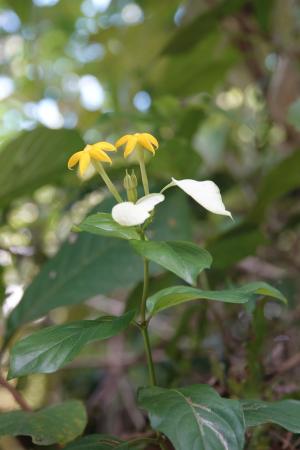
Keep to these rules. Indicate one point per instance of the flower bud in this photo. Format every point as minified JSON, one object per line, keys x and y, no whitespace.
{"x":130,"y":184}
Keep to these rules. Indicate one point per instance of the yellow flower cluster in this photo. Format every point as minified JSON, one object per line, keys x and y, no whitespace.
{"x":97,"y":152}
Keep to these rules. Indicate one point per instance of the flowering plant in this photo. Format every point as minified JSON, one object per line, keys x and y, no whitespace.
{"x":190,"y":417}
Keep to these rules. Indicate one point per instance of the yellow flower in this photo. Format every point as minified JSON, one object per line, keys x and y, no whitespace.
{"x":146,"y":140}
{"x":90,"y":152}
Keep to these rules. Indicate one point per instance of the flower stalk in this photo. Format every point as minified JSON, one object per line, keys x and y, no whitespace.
{"x":144,"y":176}
{"x":111,"y":187}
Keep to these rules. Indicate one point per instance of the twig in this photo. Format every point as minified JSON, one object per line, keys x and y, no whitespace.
{"x":16,"y":394}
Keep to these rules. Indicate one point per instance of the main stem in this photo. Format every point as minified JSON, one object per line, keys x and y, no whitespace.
{"x":144,"y":325}
{"x":111,"y":187}
{"x":143,"y":171}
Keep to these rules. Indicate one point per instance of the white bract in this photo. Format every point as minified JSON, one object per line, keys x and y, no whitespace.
{"x":130,"y":214}
{"x":206,"y":193}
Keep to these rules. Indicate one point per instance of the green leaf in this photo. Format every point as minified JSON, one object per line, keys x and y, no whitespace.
{"x":55,"y":424}
{"x":195,"y":417}
{"x":104,"y":225}
{"x":282,"y":178}
{"x":34,"y":159}
{"x":50,"y":348}
{"x":176,"y":295}
{"x":285,"y":413}
{"x":184,"y":259}
{"x":263,"y":12}
{"x":87,"y":265}
{"x":99,"y":442}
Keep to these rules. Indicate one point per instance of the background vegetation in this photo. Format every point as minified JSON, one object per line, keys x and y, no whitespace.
{"x":218,"y":84}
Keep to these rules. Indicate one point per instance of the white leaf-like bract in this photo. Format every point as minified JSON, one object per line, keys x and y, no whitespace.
{"x":206,"y":193}
{"x":130,"y":214}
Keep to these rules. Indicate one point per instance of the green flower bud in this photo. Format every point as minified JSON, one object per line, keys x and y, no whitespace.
{"x":130,"y":184}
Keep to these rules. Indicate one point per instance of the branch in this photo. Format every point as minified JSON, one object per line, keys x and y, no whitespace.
{"x":16,"y":394}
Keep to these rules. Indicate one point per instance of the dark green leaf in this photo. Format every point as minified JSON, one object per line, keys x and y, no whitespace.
{"x":49,"y":349}
{"x":99,"y":442}
{"x":172,"y":161}
{"x":188,"y":36}
{"x":104,"y":225}
{"x":56,"y":424}
{"x":34,"y":159}
{"x":263,"y":12}
{"x":195,"y":417}
{"x":184,"y":259}
{"x":285,"y":413}
{"x":193,"y":72}
{"x":87,"y":265}
{"x":180,"y":294}
{"x":283,"y":178}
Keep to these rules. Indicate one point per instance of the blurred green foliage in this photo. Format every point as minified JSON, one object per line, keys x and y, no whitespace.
{"x":218,"y":83}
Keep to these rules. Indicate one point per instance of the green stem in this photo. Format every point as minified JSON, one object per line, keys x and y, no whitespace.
{"x":144,"y":324}
{"x":143,"y":171}
{"x":111,"y":187}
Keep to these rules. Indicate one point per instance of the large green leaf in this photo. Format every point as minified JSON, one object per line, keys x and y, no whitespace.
{"x":34,"y":159}
{"x":55,"y":424}
{"x":283,"y":178}
{"x":188,"y":36}
{"x":104,"y":225}
{"x":195,"y":417}
{"x":193,"y":72}
{"x":176,"y":295}
{"x":99,"y":442}
{"x":87,"y":265}
{"x":49,"y":349}
{"x":184,"y":259}
{"x":285,"y":413}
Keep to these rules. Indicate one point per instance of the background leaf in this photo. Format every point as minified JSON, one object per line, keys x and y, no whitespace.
{"x":89,"y":265}
{"x":195,"y":417}
{"x":184,"y":259}
{"x":285,"y":413}
{"x":35,"y":158}
{"x":176,"y":295}
{"x":56,"y":424}
{"x":47,"y":350}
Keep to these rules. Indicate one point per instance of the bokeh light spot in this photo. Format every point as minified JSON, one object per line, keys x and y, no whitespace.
{"x":142,"y":101}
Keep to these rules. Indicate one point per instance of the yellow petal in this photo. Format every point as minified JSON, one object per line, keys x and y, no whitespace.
{"x":144,"y":141}
{"x":99,"y":155}
{"x":132,"y":141}
{"x":103,"y":145}
{"x":152,"y":139}
{"x":84,"y":162}
{"x":73,"y":160}
{"x":123,"y":140}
